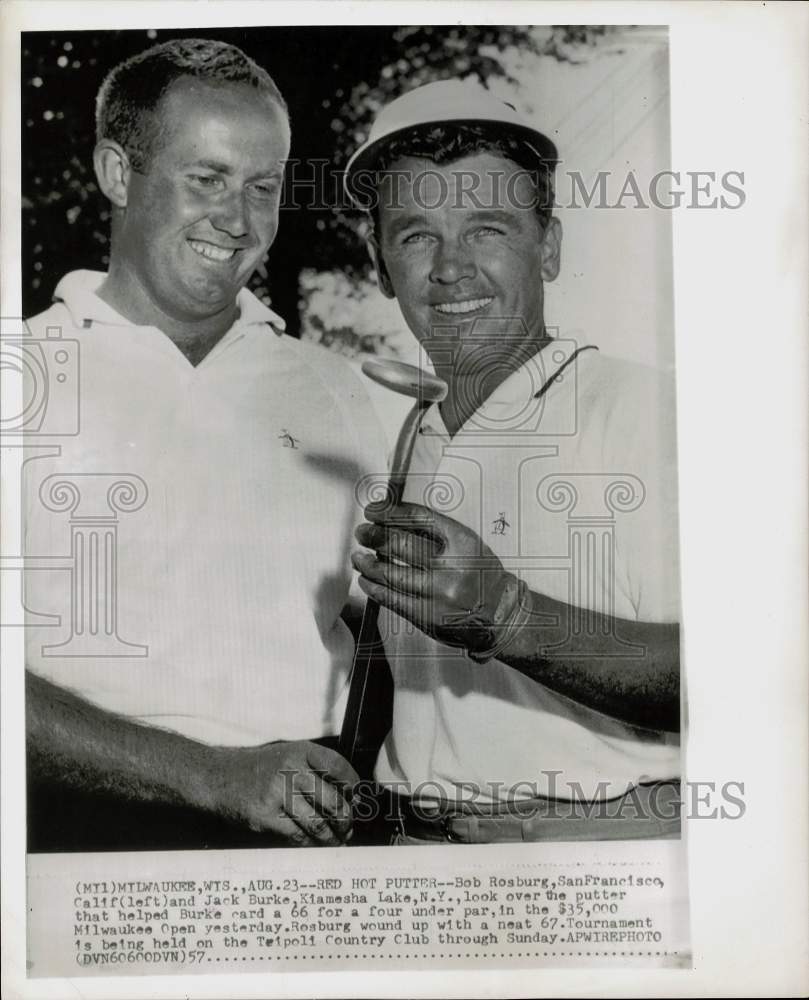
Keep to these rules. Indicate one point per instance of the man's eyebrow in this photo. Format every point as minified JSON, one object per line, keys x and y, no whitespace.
{"x":216,"y":165}
{"x":402,"y":222}
{"x":414,"y":219}
{"x":220,"y":167}
{"x":500,"y":215}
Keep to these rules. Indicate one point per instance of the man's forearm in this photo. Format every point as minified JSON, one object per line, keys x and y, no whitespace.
{"x":78,"y":744}
{"x":626,"y":669}
{"x":292,"y":789}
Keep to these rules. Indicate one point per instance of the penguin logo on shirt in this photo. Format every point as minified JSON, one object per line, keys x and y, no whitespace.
{"x":288,"y":439}
{"x":500,"y":524}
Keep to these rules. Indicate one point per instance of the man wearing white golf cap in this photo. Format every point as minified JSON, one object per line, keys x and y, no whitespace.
{"x":529,"y":578}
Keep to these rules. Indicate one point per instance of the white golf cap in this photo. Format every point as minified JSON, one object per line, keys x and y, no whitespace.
{"x":443,"y":102}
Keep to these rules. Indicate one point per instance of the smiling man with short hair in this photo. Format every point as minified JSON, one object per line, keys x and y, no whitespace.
{"x":529,"y":579}
{"x":190,"y":229}
{"x":203,"y":705}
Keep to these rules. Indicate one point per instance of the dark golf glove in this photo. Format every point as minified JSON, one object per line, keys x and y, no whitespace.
{"x":439,"y":575}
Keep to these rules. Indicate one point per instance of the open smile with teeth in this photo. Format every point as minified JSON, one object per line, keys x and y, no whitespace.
{"x":468,"y":306}
{"x":211,"y":252}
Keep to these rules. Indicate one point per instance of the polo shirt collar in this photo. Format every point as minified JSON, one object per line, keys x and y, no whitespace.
{"x":509,"y":398}
{"x":78,"y":290}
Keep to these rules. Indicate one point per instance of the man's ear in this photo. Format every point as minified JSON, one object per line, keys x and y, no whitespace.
{"x":113,"y":171}
{"x":382,"y":276}
{"x":551,"y":249}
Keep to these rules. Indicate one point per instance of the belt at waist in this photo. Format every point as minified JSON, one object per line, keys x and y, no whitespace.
{"x":644,"y":812}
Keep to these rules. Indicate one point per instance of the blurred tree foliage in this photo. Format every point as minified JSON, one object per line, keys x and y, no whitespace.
{"x":334,"y":78}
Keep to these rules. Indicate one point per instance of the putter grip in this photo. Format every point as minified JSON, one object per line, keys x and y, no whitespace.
{"x":370,"y":644}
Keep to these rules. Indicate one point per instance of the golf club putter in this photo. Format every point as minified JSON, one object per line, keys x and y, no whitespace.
{"x":426,"y":389}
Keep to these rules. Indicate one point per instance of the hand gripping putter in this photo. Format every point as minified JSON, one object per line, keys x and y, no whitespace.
{"x":426,"y":389}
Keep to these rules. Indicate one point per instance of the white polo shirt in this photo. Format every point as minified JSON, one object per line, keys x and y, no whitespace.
{"x":575,"y":492}
{"x":231,"y":535}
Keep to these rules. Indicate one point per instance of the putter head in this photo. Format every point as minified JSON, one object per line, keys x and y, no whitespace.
{"x":406,"y":379}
